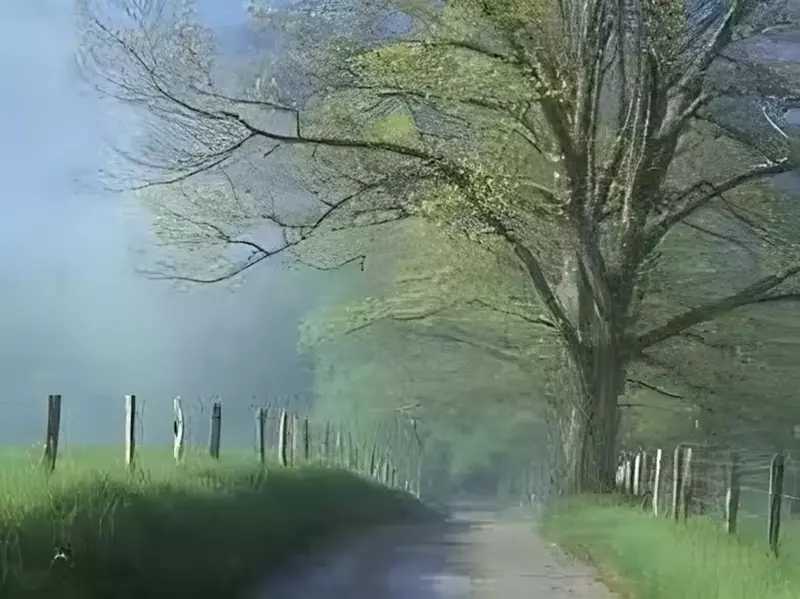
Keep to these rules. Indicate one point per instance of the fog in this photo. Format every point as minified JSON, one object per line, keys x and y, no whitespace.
{"x":76,"y":318}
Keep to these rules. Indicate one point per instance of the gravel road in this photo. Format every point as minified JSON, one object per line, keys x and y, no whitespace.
{"x":475,"y":554}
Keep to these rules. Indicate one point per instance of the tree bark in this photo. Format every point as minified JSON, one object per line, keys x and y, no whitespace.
{"x":600,"y":366}
{"x":591,"y":444}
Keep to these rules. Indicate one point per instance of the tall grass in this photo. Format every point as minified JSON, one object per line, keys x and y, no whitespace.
{"x":201,"y":529}
{"x":646,"y":557}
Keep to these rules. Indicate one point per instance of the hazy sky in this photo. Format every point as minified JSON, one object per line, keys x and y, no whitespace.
{"x":75,"y":318}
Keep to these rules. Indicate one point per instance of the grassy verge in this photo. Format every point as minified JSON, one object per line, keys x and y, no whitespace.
{"x":203,"y":529}
{"x":644,"y":557}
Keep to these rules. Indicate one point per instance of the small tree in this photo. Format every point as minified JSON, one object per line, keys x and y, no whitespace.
{"x":556,"y":130}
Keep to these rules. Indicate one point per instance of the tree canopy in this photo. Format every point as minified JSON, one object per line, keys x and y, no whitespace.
{"x":577,"y":140}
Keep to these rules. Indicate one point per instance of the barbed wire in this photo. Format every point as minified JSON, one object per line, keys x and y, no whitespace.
{"x":388,"y":432}
{"x":708,"y":486}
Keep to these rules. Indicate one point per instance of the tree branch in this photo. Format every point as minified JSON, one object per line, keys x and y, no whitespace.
{"x":652,"y":387}
{"x":489,"y":348}
{"x":259,"y":252}
{"x":753,"y":294}
{"x":686,"y":202}
{"x":562,"y":321}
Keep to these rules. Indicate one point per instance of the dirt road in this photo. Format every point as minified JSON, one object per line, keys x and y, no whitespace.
{"x":475,"y":554}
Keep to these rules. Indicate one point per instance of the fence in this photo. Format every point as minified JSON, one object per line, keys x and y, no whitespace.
{"x":747,"y":490}
{"x":388,"y":450}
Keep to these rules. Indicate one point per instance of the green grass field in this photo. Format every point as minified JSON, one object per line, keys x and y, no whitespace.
{"x":644,"y":557}
{"x":202,"y":529}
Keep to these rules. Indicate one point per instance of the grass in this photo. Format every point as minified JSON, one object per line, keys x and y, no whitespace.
{"x":644,"y":557}
{"x":201,"y":529}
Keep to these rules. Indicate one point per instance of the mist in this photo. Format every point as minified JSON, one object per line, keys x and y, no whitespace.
{"x":76,"y":318}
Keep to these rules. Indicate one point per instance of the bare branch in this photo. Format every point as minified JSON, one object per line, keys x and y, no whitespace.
{"x":259,"y":252}
{"x":688,"y":201}
{"x":652,"y":387}
{"x":757,"y":293}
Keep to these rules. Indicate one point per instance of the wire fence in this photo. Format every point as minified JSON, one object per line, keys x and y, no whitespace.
{"x":279,"y":431}
{"x":750,"y":491}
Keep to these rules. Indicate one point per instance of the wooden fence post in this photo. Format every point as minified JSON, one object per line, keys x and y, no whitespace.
{"x":373,"y":461}
{"x":178,"y":431}
{"x":637,"y":474}
{"x":261,"y":425}
{"x":776,"y":474}
{"x":130,"y":432}
{"x":657,"y":482}
{"x":686,"y":496}
{"x":216,"y":430}
{"x":677,"y":481}
{"x":732,"y":494}
{"x":339,"y":447}
{"x":352,"y":452}
{"x":52,"y":432}
{"x":283,"y":433}
{"x":326,"y":441}
{"x":295,"y":438}
{"x":628,"y":475}
{"x":306,"y":440}
{"x":386,"y":471}
{"x":645,"y":473}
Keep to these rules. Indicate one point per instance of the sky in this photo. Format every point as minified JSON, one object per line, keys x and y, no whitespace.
{"x":75,"y":317}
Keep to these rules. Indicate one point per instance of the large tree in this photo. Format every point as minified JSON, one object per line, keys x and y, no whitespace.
{"x":567,"y":134}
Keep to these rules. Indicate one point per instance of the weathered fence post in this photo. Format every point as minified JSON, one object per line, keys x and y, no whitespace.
{"x":645,"y":473}
{"x":619,"y":477}
{"x":776,"y":474}
{"x":178,"y":435}
{"x":51,"y":434}
{"x":216,"y":430}
{"x":326,"y":441}
{"x":306,"y":440}
{"x":686,"y":496}
{"x":373,"y":461}
{"x":295,"y":438}
{"x":637,"y":474}
{"x":628,"y":475}
{"x":261,"y":434}
{"x":339,"y":447}
{"x":386,"y":470}
{"x":732,"y":494}
{"x":130,"y":432}
{"x":657,"y":482}
{"x":677,"y":481}
{"x":283,"y":433}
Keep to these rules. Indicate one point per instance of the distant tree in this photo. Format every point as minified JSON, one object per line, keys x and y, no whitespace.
{"x":395,"y":339}
{"x":562,"y":132}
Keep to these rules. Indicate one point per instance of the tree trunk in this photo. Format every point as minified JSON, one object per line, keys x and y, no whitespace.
{"x":591,"y":443}
{"x":599,"y":363}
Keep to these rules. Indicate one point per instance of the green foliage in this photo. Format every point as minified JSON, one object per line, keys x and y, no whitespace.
{"x":467,"y":121}
{"x":653,"y":558}
{"x":398,"y":128}
{"x":439,"y":338}
{"x":450,"y":75}
{"x":205,"y":529}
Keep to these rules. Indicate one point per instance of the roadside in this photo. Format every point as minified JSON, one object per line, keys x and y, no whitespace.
{"x":654,"y":558}
{"x":203,"y":530}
